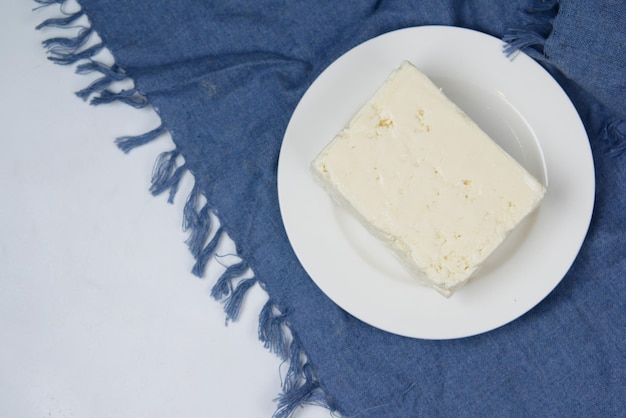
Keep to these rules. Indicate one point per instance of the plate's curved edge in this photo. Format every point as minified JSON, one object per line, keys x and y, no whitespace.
{"x":284,"y":198}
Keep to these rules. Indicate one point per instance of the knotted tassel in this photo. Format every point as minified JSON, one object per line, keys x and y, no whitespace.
{"x":166,"y":174}
{"x":198,"y":223}
{"x":234,"y":301}
{"x":131,"y":97}
{"x":207,"y":252}
{"x":271,"y":330}
{"x":128,"y":143}
{"x":96,"y":86}
{"x":301,"y":386}
{"x":224,"y":285}
{"x":60,"y":22}
{"x":113,"y":72}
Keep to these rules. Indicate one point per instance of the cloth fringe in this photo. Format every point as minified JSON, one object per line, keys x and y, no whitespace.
{"x":272,"y":324}
{"x":130,"y":97}
{"x":74,"y":49}
{"x":300,"y":385}
{"x":202,"y":240}
{"x":531,"y":39}
{"x":166,"y":173}
{"x":110,"y":75}
{"x":61,"y":22}
{"x":197,"y":222}
{"x":128,"y":143}
{"x":224,"y":285}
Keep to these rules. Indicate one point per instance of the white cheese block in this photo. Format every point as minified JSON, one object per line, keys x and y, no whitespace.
{"x":425,"y":179}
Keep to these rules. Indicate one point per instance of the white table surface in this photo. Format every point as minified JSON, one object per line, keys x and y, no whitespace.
{"x":99,"y":313}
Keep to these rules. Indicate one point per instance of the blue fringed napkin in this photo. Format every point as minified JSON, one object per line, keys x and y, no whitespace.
{"x":225,"y":78}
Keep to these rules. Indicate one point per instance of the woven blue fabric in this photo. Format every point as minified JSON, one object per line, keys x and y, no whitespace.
{"x":225,"y":78}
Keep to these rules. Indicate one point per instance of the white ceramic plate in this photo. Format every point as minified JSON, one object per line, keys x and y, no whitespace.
{"x":515,"y":101}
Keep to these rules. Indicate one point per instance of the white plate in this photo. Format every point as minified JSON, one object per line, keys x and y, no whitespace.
{"x":515,"y":101}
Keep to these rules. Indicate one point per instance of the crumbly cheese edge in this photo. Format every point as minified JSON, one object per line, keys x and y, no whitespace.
{"x":393,"y":243}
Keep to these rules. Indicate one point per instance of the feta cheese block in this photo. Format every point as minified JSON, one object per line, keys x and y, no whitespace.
{"x":425,"y":179}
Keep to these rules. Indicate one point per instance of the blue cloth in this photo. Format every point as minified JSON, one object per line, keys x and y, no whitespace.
{"x":225,"y":78}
